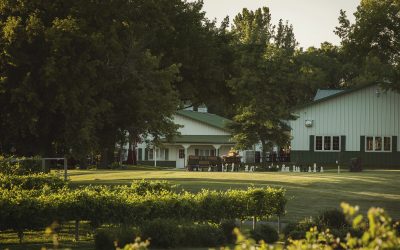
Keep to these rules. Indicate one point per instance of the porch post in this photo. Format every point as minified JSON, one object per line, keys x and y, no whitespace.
{"x":155,"y":156}
{"x":217,"y":147}
{"x":186,"y":147}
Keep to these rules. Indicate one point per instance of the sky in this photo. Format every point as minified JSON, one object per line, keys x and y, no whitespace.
{"x":313,"y":20}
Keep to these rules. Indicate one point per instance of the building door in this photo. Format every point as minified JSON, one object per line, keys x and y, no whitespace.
{"x":180,"y":162}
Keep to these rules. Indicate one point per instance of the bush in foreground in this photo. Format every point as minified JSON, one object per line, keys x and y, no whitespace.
{"x":266,"y":233}
{"x":164,"y":233}
{"x":378,"y":232}
{"x":334,"y":220}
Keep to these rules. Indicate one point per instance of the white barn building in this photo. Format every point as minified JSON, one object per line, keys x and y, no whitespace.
{"x":202,"y":134}
{"x":337,"y":126}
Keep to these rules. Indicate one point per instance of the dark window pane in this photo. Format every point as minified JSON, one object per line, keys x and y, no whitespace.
{"x":370,"y":144}
{"x":318,"y":143}
{"x":181,"y":153}
{"x":335,"y":143}
{"x":378,"y":143}
{"x":327,"y":143}
{"x":386,"y":145}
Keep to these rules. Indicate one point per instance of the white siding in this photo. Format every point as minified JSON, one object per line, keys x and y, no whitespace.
{"x":353,"y":115}
{"x":192,"y":127}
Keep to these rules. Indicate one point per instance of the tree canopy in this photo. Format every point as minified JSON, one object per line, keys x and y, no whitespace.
{"x":371,"y":45}
{"x":78,"y":77}
{"x":265,"y":74}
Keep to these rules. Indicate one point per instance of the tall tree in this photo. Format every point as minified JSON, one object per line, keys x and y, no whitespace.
{"x":317,"y":68}
{"x":265,"y":74}
{"x":71,"y":79}
{"x":372,"y":44}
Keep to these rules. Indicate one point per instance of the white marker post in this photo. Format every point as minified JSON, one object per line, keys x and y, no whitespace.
{"x":338,"y":167}
{"x":155,"y":156}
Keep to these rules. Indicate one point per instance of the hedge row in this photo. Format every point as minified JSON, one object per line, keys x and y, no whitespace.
{"x":32,"y":181}
{"x":20,"y":166}
{"x":36,"y":209}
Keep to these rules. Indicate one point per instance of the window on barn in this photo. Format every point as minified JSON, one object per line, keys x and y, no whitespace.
{"x":369,"y":144}
{"x":378,"y":144}
{"x":336,"y":143}
{"x":327,"y":143}
{"x":318,"y":143}
{"x":387,"y":144}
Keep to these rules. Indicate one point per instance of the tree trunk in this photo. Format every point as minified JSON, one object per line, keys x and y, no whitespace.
{"x":130,"y":159}
{"x":134,"y":153}
{"x":133,"y":141}
{"x":107,"y":156}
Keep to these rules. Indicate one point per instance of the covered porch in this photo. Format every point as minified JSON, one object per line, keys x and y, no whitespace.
{"x":198,"y":145}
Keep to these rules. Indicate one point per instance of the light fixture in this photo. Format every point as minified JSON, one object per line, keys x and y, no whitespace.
{"x":309,"y":123}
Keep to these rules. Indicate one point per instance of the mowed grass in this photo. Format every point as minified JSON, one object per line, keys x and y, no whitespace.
{"x":308,"y":193}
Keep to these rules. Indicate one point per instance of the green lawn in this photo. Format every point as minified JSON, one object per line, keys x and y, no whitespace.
{"x":308,"y":193}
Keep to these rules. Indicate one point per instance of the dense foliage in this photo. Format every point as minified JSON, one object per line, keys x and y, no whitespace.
{"x":19,"y":166}
{"x":29,"y":182}
{"x":32,"y":209}
{"x":264,"y":79}
{"x":80,"y":83}
{"x":371,"y":45}
{"x":74,"y":83}
{"x":334,"y":220}
{"x":378,"y":232}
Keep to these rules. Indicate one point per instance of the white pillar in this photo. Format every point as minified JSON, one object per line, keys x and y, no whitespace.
{"x":185,"y":146}
{"x":217,"y":147}
{"x":155,"y":156}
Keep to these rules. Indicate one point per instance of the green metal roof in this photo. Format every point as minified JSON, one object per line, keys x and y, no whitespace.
{"x":324,"y":93}
{"x":203,"y":139}
{"x":341,"y":93}
{"x":207,"y":118}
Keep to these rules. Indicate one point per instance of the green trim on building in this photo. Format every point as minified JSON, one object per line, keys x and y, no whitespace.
{"x":203,"y":139}
{"x":159,"y":163}
{"x":342,"y":143}
{"x":311,"y":143}
{"x":206,"y":118}
{"x":373,"y":159}
{"x":362,"y":143}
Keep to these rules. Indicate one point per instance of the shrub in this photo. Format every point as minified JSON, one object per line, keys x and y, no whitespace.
{"x":201,"y":235}
{"x":19,"y":166}
{"x":227,"y":227}
{"x":109,"y":238}
{"x":142,"y":187}
{"x":103,"y":240}
{"x":298,"y":229}
{"x":265,"y":232}
{"x":333,"y":219}
{"x":291,"y":226}
{"x":162,"y":233}
{"x":31,"y":182}
{"x":123,"y":205}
